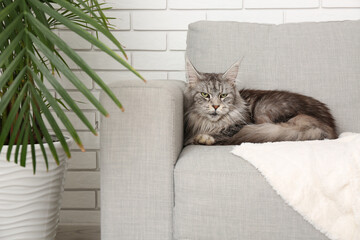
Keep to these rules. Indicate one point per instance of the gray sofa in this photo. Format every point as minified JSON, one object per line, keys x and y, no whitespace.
{"x":153,"y":188}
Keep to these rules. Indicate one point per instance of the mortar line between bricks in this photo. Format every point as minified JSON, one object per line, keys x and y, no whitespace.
{"x":75,"y":90}
{"x":138,"y":69}
{"x":290,"y":8}
{"x":85,"y":110}
{"x":120,"y":30}
{"x":181,"y":9}
{"x":204,"y":9}
{"x":81,"y":209}
{"x":137,"y":9}
{"x":131,"y":20}
{"x":139,"y":50}
{"x":82,"y":49}
{"x":79,"y":151}
{"x":284,"y":16}
{"x":96,"y":200}
{"x":98,"y":160}
{"x":176,"y":50}
{"x":120,"y":71}
{"x":116,"y":70}
{"x":167,"y":48}
{"x":340,"y":8}
{"x":157,"y":30}
{"x":83,"y":170}
{"x":81,"y":189}
{"x":90,"y":149}
{"x":78,"y":130}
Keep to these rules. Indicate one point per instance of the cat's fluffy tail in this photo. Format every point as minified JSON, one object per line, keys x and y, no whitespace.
{"x":299,"y":128}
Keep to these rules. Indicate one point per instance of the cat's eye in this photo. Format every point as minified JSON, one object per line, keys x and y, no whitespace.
{"x":205,"y":95}
{"x":223,"y":95}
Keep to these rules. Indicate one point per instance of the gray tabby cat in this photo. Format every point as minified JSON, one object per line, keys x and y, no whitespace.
{"x":218,"y":113}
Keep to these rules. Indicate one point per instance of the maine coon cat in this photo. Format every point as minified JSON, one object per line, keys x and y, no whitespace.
{"x":218,"y":113}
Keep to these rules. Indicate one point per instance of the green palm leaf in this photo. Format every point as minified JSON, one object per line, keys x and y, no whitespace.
{"x":27,"y":52}
{"x":38,"y":103}
{"x":8,"y":9}
{"x":75,"y":58}
{"x":9,"y":30}
{"x":86,"y":35}
{"x":5,"y":99}
{"x":6,"y":77}
{"x":10,"y":48}
{"x":58,"y":110}
{"x":57,"y":86}
{"x":68,"y":73}
{"x":15,"y":115}
{"x":91,"y":21}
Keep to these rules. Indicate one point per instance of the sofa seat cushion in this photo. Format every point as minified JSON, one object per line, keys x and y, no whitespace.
{"x":221,"y":196}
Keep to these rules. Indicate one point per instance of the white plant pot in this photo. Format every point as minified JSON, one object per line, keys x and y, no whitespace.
{"x":30,"y":204}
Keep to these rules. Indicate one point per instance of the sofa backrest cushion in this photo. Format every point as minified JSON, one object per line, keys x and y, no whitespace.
{"x":321,"y":60}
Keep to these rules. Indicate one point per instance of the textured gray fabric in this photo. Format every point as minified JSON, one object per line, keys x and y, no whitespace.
{"x":139,"y":148}
{"x":317,"y":59}
{"x":221,"y":196}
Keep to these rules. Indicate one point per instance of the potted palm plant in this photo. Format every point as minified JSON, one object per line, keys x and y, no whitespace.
{"x":30,"y":55}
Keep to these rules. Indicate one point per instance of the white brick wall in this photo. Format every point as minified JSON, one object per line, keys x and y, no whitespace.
{"x":139,"y":40}
{"x":257,"y":16}
{"x":121,"y":19}
{"x":281,"y":3}
{"x":321,"y":15}
{"x":159,"y":60}
{"x":153,"y":33}
{"x":177,"y":40}
{"x":205,"y":4}
{"x":76,"y":42}
{"x":165,"y":20}
{"x":341,"y":3}
{"x":98,"y":61}
{"x":136,"y":4}
{"x":79,"y":199}
{"x":83,"y":160}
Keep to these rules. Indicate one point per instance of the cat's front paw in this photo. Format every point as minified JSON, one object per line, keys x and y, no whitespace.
{"x":204,"y":139}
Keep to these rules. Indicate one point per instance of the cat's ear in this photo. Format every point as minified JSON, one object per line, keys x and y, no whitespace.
{"x":191,"y":73}
{"x":232,"y":72}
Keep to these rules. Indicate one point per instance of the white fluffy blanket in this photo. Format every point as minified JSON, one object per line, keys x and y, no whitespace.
{"x":319,"y":179}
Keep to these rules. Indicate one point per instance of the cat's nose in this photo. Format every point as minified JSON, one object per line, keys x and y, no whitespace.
{"x":215,"y":106}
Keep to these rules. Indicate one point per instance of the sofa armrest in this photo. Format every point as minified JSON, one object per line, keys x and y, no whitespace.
{"x":139,"y":148}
